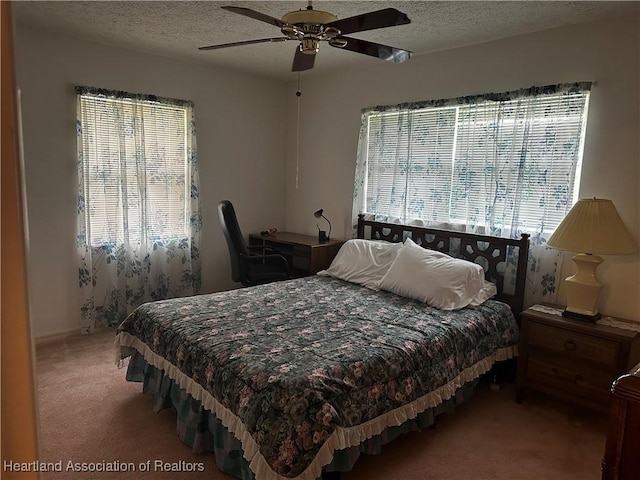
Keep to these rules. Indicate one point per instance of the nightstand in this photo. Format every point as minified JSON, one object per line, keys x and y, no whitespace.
{"x":572,"y":359}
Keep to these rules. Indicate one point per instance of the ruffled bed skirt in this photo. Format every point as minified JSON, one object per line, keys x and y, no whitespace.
{"x":204,"y":432}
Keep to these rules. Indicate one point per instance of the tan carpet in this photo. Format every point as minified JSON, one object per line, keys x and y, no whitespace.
{"x":90,"y":413}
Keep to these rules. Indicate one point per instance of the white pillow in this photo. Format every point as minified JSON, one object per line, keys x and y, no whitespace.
{"x":433,"y":277}
{"x":363,"y":261}
{"x":487,"y":291}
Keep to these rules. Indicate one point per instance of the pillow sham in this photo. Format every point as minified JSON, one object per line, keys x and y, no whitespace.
{"x":363,"y":261}
{"x":434,"y":278}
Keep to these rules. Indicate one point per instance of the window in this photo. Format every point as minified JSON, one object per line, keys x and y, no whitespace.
{"x":135,"y":169}
{"x":139,"y":217}
{"x":496,"y":163}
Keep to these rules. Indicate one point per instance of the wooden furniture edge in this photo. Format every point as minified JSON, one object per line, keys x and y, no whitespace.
{"x":628,"y":385}
{"x":625,"y":405}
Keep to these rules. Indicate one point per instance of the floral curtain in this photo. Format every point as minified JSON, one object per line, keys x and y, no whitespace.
{"x":498,"y":164}
{"x":139,"y":217}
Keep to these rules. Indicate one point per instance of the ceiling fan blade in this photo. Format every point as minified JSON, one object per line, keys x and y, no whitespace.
{"x":388,"y":17}
{"x":384,"y":52}
{"x":302,"y":61}
{"x":247,"y":12}
{"x":245,"y":42}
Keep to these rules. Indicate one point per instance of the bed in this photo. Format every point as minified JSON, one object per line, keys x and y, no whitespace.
{"x":295,"y":379}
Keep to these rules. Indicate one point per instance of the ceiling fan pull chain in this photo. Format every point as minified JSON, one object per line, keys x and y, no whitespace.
{"x":298,"y":94}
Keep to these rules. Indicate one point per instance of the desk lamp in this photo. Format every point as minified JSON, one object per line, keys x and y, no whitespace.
{"x":322,"y":235}
{"x":592,"y":226}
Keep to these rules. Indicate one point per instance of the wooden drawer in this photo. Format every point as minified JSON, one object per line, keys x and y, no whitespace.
{"x":574,"y":345}
{"x":573,"y":359}
{"x":575,"y":379}
{"x":301,"y":250}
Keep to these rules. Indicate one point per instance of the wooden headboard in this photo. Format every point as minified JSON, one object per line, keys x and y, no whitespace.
{"x":490,"y":252}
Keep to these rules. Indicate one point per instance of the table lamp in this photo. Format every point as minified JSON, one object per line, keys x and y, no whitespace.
{"x":322,"y":235}
{"x":592,"y":227}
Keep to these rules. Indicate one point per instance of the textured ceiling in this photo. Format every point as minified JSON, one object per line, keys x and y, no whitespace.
{"x":178,"y":28}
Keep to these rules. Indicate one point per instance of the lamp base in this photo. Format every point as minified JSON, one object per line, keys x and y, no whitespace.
{"x":583,"y":289}
{"x":581,"y":316}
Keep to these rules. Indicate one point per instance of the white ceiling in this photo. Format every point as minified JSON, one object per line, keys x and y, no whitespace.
{"x":178,"y":28}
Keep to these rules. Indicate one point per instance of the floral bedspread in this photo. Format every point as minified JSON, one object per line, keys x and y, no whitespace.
{"x":296,"y":360}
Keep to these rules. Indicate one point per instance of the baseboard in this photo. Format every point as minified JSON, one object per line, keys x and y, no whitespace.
{"x":56,"y":337}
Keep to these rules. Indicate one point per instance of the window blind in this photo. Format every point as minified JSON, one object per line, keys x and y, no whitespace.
{"x":409,"y":152}
{"x":485,"y":163}
{"x":135,"y":170}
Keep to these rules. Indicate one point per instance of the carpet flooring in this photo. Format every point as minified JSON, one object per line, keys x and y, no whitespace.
{"x":89,"y":414}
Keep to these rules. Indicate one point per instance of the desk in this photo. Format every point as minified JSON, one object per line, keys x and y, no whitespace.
{"x":306,"y":256}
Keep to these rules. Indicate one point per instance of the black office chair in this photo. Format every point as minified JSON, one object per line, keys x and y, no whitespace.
{"x":246,"y":267}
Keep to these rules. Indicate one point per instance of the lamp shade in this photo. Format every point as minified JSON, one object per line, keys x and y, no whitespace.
{"x":593,"y":226}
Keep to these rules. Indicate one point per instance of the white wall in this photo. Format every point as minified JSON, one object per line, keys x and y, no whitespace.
{"x":241,"y":144}
{"x":244,"y":143}
{"x":607,"y":52}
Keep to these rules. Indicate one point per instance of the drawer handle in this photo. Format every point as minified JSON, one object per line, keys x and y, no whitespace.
{"x":570,"y":345}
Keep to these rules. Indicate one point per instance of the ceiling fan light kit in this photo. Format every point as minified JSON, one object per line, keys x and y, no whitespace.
{"x":309,"y":27}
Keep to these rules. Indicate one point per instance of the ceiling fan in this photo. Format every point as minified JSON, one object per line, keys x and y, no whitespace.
{"x":310,"y":27}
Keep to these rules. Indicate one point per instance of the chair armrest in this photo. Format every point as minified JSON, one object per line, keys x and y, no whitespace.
{"x":273,"y":258}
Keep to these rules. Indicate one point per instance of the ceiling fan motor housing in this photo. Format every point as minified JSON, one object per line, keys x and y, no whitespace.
{"x":313,"y":17}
